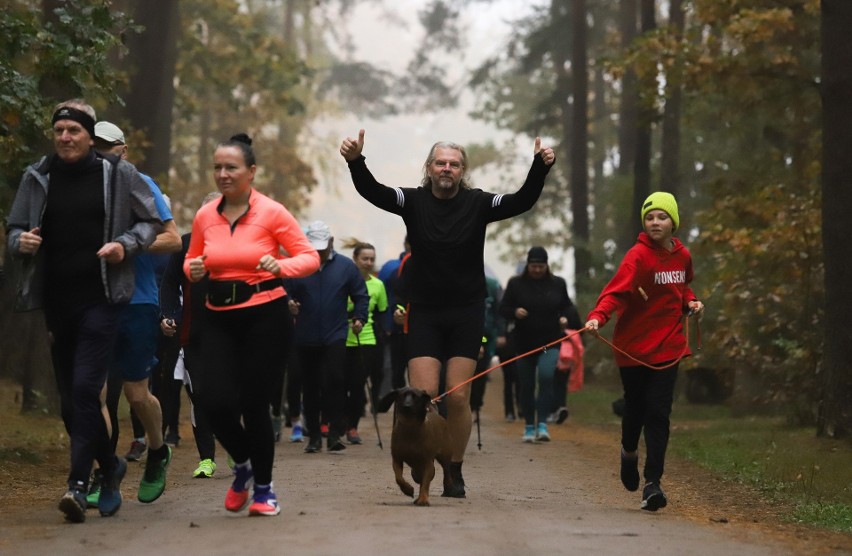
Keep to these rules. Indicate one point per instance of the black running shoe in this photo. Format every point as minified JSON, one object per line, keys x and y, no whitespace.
{"x":653,"y":497}
{"x":335,"y":444}
{"x":314,"y":445}
{"x":455,"y":490}
{"x":630,"y":472}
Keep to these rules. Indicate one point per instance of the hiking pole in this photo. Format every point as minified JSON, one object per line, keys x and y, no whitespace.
{"x":368,"y":391}
{"x":478,"y":432}
{"x":368,"y":386}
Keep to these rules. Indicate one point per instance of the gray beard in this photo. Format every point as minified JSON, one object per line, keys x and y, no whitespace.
{"x":443,"y":183}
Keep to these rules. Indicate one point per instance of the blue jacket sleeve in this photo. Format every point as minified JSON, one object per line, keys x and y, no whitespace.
{"x":358,"y":294}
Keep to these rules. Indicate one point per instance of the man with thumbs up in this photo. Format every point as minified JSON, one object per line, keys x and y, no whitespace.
{"x":444,"y":278}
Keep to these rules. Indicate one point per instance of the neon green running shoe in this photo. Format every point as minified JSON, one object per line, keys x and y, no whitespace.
{"x":153,"y":482}
{"x":94,"y":489}
{"x":205,"y":469}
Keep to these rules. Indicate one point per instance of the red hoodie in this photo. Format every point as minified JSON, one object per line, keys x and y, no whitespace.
{"x":649,"y":292}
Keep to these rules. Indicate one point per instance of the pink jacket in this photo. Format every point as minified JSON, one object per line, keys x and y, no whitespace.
{"x":234,"y":253}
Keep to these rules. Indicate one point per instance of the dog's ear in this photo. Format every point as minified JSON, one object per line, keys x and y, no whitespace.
{"x":387,"y":401}
{"x":424,"y":395}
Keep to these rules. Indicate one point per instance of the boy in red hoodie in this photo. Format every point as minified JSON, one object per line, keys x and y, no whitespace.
{"x":650,"y":293}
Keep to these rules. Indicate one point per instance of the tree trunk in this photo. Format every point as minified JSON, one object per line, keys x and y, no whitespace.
{"x":25,"y":349}
{"x":670,"y":162}
{"x":599,"y":126}
{"x":835,"y":409}
{"x":627,"y":112}
{"x":647,"y":114}
{"x":580,"y":147}
{"x":153,"y":55}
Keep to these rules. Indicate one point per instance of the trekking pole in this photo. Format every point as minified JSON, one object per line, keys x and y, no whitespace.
{"x":368,"y":386}
{"x":478,"y":432}
{"x":368,"y":391}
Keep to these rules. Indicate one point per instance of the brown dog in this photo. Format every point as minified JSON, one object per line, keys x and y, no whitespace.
{"x":420,"y":436}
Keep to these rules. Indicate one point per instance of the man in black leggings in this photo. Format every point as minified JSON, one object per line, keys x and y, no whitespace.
{"x":444,"y":278}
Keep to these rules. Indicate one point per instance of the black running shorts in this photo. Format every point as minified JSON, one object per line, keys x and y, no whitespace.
{"x":443,"y":332}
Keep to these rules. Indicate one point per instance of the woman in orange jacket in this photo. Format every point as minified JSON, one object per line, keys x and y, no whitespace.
{"x":237,"y":244}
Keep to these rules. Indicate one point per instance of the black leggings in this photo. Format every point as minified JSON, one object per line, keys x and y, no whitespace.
{"x":322,"y":387}
{"x":361,"y":362}
{"x":648,"y":396}
{"x":205,"y":441}
{"x":293,"y":386}
{"x":242,"y":350}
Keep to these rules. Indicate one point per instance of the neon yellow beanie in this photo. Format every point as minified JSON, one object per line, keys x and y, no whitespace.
{"x":662,"y":201}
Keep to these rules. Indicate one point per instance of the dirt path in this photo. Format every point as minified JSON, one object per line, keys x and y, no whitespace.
{"x":558,"y":498}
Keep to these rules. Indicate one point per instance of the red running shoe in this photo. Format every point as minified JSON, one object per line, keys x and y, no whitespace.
{"x":238,"y":494}
{"x":264,"y":504}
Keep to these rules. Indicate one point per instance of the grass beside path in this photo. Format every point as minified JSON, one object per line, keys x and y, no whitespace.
{"x":786,"y":464}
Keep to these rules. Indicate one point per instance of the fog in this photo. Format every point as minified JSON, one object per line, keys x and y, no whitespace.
{"x":396,"y":147}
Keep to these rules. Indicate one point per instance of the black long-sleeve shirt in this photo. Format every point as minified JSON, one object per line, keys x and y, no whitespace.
{"x":447,"y":236}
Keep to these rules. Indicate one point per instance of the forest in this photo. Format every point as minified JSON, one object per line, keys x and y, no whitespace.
{"x":740,"y":108}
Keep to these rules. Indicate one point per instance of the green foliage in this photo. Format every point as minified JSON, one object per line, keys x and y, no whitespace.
{"x":525,"y":88}
{"x":45,"y":60}
{"x":753,"y":135}
{"x":236,"y":72}
{"x":830,"y":516}
{"x":265,"y":68}
{"x":749,"y":197}
{"x":787,"y":464}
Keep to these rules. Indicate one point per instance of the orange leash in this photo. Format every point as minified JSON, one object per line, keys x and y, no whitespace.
{"x":438,"y":398}
{"x":659,"y":368}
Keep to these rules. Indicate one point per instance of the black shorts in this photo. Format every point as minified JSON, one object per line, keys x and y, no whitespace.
{"x":443,"y":332}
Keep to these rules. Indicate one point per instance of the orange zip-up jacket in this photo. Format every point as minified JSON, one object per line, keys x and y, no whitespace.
{"x":233,"y":252}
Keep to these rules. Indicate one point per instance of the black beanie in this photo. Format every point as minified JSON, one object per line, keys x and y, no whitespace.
{"x":536,"y":255}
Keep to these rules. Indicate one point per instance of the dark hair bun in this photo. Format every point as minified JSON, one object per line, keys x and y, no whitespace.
{"x":242,"y":138}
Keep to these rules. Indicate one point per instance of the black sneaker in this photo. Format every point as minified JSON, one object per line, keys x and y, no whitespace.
{"x":561,"y":415}
{"x":172,"y":438}
{"x":630,"y":472}
{"x":456,"y":490}
{"x":73,"y":505}
{"x":653,"y":497}
{"x":314,"y":445}
{"x":335,"y":444}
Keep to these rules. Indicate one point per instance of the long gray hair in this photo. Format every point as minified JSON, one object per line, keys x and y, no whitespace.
{"x":465,"y":179}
